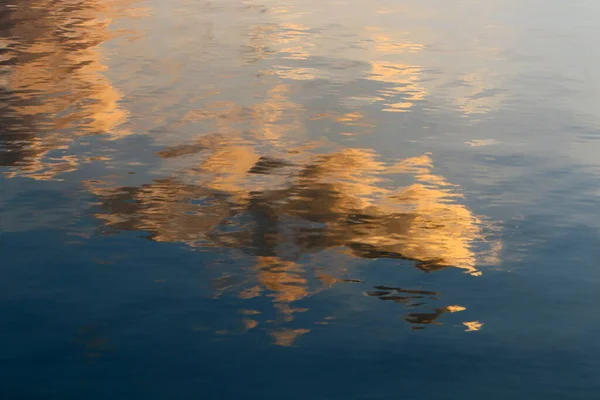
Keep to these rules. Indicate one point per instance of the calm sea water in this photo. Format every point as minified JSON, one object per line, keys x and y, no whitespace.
{"x":299,"y":199}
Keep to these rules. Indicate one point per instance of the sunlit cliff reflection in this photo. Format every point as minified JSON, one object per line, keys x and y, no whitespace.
{"x":53,"y":88}
{"x":242,"y":121}
{"x":278,"y":210}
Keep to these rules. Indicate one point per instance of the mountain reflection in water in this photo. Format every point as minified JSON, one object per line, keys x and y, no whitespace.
{"x":279,"y":210}
{"x":263,"y":184}
{"x":299,"y":199}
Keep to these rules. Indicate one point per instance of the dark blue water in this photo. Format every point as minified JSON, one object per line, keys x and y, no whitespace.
{"x":298,"y":199}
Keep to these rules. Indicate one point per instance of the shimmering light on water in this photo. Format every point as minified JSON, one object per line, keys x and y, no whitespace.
{"x":208,"y":199}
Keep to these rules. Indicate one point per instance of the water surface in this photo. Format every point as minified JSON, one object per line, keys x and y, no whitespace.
{"x":299,"y":199}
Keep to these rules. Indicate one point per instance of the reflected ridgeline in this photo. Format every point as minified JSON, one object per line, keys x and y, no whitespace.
{"x":52,"y":86}
{"x":281,"y":210}
{"x":271,"y":207}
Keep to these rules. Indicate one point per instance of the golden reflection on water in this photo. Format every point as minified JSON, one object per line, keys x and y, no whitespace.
{"x":248,"y":173}
{"x":243,"y":162}
{"x":405,"y":80}
{"x":339,"y":190}
{"x":53,"y":87}
{"x":278,"y":210}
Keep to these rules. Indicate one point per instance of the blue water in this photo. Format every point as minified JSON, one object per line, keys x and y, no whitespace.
{"x":298,"y":199}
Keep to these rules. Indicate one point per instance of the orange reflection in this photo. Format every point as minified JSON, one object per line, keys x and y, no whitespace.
{"x":286,"y":337}
{"x":335,"y":201}
{"x":386,"y":43}
{"x":241,"y":187}
{"x":277,"y":115}
{"x":57,"y":91}
{"x":405,"y":83}
{"x":289,"y":40}
{"x":473,"y":326}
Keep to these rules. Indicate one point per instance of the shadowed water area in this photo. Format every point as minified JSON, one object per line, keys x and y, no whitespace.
{"x":299,"y":199}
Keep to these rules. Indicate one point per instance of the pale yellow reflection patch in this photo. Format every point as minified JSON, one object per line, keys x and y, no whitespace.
{"x":454,"y":309}
{"x":481,"y":142}
{"x":277,"y":115}
{"x":249,"y":312}
{"x":478,"y":93}
{"x":385,"y":43}
{"x":404,"y":82}
{"x":473,"y":326}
